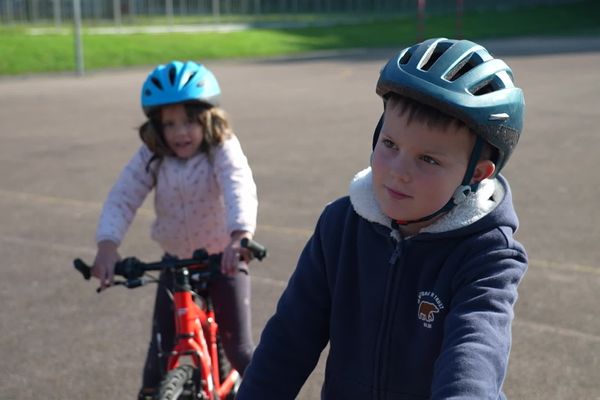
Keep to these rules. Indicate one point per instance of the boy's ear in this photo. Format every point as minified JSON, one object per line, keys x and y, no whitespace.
{"x":483,"y":170}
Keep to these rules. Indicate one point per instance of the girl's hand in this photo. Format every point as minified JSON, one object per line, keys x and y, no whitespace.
{"x":234,"y":252}
{"x":104,"y":263}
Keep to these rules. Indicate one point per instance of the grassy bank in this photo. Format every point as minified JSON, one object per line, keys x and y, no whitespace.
{"x":21,"y":53}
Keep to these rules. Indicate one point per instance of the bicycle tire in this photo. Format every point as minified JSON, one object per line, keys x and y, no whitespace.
{"x":225,"y":368}
{"x":234,"y":390}
{"x":224,"y":364}
{"x":179,"y":384}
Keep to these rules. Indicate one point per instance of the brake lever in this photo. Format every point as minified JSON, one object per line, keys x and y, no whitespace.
{"x":114,"y":283}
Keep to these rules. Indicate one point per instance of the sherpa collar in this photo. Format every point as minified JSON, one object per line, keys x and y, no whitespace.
{"x":474,"y":207}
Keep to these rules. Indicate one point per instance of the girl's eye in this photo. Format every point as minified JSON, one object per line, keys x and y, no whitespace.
{"x":429,"y":160}
{"x":192,"y":122}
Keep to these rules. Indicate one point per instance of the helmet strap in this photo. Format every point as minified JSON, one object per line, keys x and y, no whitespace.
{"x":377,"y":131}
{"x":463,"y":191}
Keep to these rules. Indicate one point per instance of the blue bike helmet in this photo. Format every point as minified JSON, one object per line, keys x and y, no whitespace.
{"x":178,"y":82}
{"x":461,"y":79}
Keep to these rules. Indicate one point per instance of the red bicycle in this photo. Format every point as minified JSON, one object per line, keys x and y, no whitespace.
{"x":197,"y":367}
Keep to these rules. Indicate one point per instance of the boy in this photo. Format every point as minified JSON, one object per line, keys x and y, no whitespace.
{"x":412,"y":278}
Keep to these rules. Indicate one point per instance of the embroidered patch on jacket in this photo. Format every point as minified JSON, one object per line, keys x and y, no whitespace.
{"x":429,"y":305}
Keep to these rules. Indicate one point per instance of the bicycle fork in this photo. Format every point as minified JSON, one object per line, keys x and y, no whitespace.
{"x":190,"y":340}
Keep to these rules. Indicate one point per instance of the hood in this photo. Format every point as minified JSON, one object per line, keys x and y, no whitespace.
{"x":475,"y":206}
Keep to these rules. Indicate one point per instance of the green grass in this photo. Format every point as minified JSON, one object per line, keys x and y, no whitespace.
{"x":21,"y":53}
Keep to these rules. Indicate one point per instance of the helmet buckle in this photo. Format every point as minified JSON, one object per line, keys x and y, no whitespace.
{"x":461,"y":194}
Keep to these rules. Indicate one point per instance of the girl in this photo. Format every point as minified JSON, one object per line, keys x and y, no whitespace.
{"x":205,"y":197}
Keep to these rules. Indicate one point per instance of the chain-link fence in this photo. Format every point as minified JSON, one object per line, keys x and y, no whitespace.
{"x":117,"y":12}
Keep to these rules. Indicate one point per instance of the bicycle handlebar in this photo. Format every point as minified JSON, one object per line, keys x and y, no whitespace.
{"x":132,"y":268}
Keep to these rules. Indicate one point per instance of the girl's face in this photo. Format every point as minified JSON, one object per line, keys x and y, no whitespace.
{"x":417,"y":168}
{"x":183,"y":134}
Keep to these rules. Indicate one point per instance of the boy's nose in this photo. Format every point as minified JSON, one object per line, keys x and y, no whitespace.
{"x":401,"y":168}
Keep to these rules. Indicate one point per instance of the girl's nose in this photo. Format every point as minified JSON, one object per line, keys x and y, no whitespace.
{"x":180,"y":129}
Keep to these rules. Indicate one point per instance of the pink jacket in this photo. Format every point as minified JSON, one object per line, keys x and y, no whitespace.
{"x":198,"y":202}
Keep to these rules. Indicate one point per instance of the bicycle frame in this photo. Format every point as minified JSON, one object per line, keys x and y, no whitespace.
{"x":196,"y":336}
{"x":196,"y":329}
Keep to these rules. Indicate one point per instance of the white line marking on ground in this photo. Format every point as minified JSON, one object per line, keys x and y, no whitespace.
{"x":564,"y":266}
{"x":40,"y":244}
{"x":24,"y":198}
{"x":540,"y":327}
{"x":32,"y":198}
{"x":269,"y":281}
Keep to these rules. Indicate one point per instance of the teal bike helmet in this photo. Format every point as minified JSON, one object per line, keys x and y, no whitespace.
{"x":463,"y":80}
{"x":178,"y":82}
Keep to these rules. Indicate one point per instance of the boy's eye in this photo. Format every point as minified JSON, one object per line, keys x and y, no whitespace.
{"x":429,"y":160}
{"x":388,"y":143}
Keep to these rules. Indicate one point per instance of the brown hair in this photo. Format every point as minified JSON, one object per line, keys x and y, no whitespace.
{"x":215,"y":126}
{"x":433,"y":118}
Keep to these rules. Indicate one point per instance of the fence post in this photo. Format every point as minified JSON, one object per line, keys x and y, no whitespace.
{"x":459,"y":19}
{"x":57,"y":13}
{"x":421,"y":20}
{"x":131,"y":11}
{"x":78,"y":43}
{"x":10,"y":14}
{"x":35,"y":12}
{"x":169,"y":9}
{"x":117,"y":12}
{"x":216,"y":11}
{"x":257,"y":7}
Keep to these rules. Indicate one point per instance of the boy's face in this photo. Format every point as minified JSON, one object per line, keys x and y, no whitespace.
{"x":417,"y":168}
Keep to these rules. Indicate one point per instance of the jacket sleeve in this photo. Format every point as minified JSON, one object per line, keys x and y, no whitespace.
{"x":296,"y":334}
{"x":126,"y":196}
{"x":474,"y":356}
{"x":234,"y":176}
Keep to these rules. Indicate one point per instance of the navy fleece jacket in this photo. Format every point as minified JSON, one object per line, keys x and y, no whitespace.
{"x":424,"y":317}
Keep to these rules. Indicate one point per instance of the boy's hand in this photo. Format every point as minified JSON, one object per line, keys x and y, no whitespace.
{"x":104,"y":263}
{"x":234,"y":252}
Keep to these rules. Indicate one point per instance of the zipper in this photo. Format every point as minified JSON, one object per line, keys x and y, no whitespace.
{"x":396,"y":254}
{"x":388,"y":307}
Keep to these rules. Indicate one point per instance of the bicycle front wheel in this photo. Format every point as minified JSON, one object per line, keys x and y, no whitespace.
{"x":179,"y":384}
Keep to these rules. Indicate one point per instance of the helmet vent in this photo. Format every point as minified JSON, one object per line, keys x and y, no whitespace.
{"x":157,"y":83}
{"x":405,"y":57}
{"x":189,"y":78}
{"x":463,"y":67}
{"x":172,"y":75}
{"x":434,"y":54}
{"x":487,"y":88}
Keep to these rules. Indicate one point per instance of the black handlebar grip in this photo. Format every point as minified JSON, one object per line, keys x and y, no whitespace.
{"x":120,"y":269}
{"x":129,"y":268}
{"x":82,"y":267}
{"x":258,"y":250}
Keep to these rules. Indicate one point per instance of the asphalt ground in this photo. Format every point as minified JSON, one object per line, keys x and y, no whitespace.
{"x":306,"y":125}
